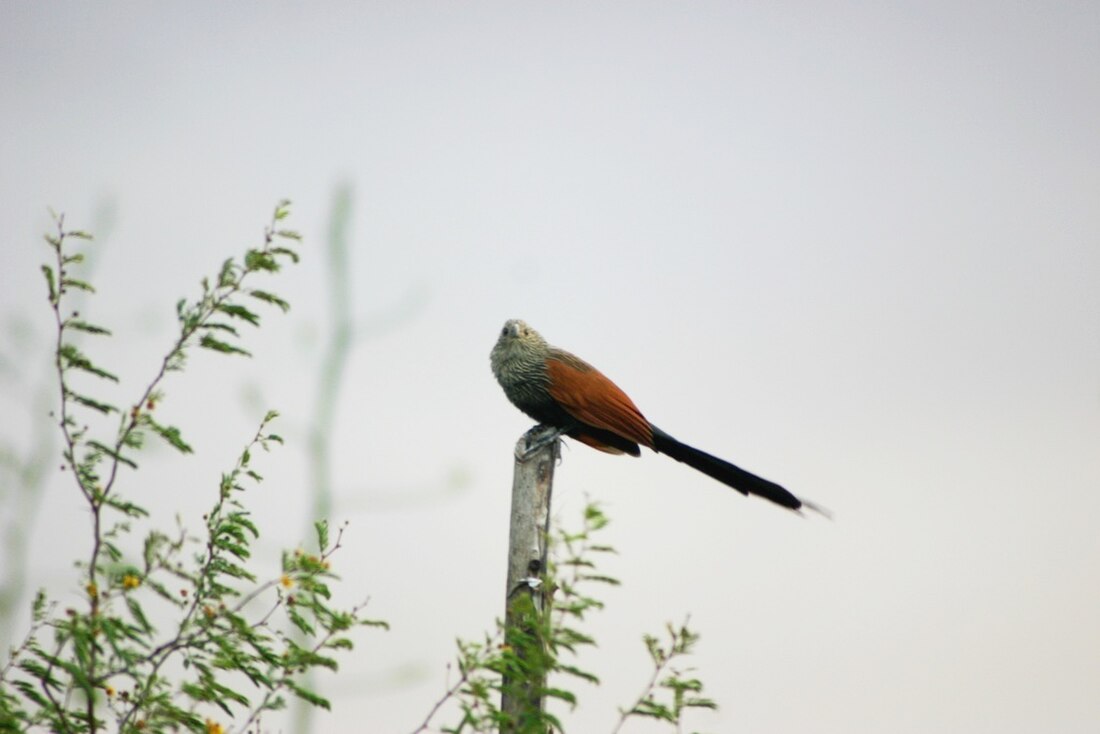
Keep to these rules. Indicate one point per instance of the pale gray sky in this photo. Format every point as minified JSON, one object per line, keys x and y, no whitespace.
{"x":853,"y":247}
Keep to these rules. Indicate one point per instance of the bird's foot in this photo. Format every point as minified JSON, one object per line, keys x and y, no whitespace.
{"x":536,"y":439}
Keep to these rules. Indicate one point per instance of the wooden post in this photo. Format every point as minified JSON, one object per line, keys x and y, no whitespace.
{"x":532,"y":483}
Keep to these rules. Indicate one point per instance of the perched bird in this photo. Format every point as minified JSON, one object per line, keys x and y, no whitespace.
{"x":561,"y":390}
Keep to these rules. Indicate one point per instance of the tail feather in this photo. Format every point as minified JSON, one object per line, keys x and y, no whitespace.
{"x":732,"y":476}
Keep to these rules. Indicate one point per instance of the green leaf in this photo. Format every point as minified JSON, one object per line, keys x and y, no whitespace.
{"x":287,"y":252}
{"x":210,"y":690}
{"x":259,"y":260}
{"x":241,"y":519}
{"x":308,"y":695}
{"x":30,"y":692}
{"x":40,"y":671}
{"x":374,"y":623}
{"x":300,"y":622}
{"x":38,"y":609}
{"x":653,"y":709}
{"x":599,"y":579}
{"x":239,"y":312}
{"x":79,"y":284}
{"x":171,"y":434}
{"x":112,"y":551}
{"x":134,"y":439}
{"x":321,"y":526}
{"x":220,"y":327}
{"x":112,"y":453}
{"x":238,"y":550}
{"x":270,"y":298}
{"x":138,"y":614}
{"x":88,"y":402}
{"x":86,"y":327}
{"x":209,"y":342}
{"x":578,"y":673}
{"x":75,"y":359}
{"x":48,"y":272}
{"x":561,"y":694}
{"x":227,"y":275}
{"x":222,"y":566}
{"x":125,"y":507}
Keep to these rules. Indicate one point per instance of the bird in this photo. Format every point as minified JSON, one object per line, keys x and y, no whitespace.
{"x":562,"y":391}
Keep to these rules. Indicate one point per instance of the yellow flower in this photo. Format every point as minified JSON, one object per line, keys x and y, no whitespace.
{"x":131,"y":581}
{"x":92,"y":589}
{"x":213,"y":727}
{"x":286,"y":581}
{"x":109,"y":690}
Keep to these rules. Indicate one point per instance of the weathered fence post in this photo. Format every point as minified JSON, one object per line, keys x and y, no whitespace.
{"x":526,"y":600}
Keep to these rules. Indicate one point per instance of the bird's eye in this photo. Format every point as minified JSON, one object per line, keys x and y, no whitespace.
{"x":504,"y":331}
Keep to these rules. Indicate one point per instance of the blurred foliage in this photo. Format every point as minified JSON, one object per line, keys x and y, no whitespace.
{"x":671,"y":690}
{"x":543,"y":647}
{"x":27,"y":454}
{"x":228,"y":653}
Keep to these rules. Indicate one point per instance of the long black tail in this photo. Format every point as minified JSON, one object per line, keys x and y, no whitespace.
{"x":732,"y":476}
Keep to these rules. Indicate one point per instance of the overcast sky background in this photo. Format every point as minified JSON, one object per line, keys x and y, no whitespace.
{"x":852,"y":247}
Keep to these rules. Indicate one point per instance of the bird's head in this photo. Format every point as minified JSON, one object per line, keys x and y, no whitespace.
{"x":517,"y":340}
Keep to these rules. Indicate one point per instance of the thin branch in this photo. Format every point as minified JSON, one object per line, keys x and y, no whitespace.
{"x":281,"y":683}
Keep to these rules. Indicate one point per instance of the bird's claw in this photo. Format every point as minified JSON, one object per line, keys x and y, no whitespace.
{"x":536,"y":439}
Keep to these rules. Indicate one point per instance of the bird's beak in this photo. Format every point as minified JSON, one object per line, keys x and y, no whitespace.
{"x":512,"y":328}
